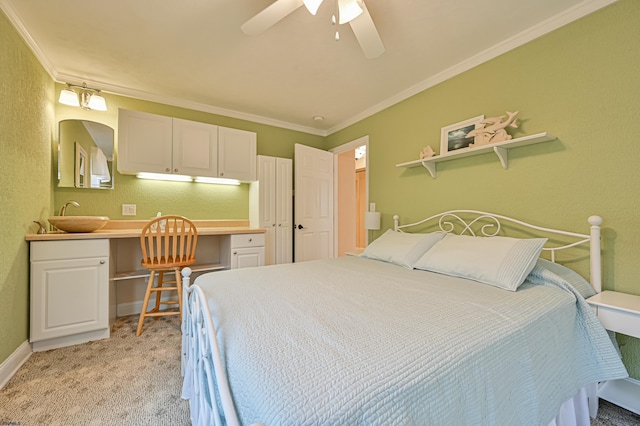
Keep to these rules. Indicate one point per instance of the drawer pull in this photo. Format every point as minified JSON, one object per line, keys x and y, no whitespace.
{"x":250,"y":239}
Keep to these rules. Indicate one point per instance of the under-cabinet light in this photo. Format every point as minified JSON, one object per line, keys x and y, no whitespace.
{"x":219,"y":181}
{"x":160,"y":176}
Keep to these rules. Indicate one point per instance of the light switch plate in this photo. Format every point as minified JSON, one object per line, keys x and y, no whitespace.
{"x":128,"y":210}
{"x":372,"y":207}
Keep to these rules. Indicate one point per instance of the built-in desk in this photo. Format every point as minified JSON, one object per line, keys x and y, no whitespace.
{"x":81,"y":281}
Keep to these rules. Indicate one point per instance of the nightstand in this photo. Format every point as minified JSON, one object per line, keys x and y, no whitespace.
{"x":619,"y":312}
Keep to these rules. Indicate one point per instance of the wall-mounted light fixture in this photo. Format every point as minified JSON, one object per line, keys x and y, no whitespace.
{"x":86,"y":99}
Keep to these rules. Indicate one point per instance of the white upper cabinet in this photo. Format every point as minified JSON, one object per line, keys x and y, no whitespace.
{"x":237,"y":151}
{"x":195,"y":148}
{"x":157,"y":144}
{"x":144,"y":142}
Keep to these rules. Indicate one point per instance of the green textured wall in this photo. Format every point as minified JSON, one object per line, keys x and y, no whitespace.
{"x":26,"y":127}
{"x":194,"y":200}
{"x":579,"y":83}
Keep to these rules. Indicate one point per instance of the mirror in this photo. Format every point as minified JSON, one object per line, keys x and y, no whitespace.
{"x":85,"y":155}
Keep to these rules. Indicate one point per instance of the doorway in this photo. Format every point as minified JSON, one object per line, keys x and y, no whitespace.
{"x":351,"y":194}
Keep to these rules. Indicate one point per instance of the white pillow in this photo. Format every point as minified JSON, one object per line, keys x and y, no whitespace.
{"x":400,"y":248}
{"x":499,"y":261}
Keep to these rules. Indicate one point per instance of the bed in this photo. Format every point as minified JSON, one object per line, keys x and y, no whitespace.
{"x":457,"y":325}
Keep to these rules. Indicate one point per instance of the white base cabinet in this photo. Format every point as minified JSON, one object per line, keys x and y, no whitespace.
{"x":69,"y":292}
{"x":271,"y":207}
{"x":242,"y":251}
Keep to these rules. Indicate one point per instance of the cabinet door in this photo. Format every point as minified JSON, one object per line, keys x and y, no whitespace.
{"x":247,"y":257}
{"x":237,"y":154}
{"x":144,"y":142}
{"x":195,"y":148}
{"x":69,"y":297}
{"x":284,"y":210}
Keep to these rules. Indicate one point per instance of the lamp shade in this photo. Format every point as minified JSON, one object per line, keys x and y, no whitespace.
{"x":348,"y":10}
{"x":372,"y":220}
{"x":97,"y":102}
{"x":68,"y":97}
{"x":312,"y":5}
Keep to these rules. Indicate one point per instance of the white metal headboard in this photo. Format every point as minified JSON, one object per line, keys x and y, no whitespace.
{"x":478,"y":223}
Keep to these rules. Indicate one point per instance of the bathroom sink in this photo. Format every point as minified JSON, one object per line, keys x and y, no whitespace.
{"x":78,"y":223}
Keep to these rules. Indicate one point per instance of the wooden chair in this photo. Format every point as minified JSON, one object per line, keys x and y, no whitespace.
{"x":168,"y":244}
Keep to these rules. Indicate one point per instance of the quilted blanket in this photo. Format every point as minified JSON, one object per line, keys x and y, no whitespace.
{"x":353,"y":341}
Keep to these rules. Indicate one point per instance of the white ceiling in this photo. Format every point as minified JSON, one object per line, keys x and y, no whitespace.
{"x":192,"y":53}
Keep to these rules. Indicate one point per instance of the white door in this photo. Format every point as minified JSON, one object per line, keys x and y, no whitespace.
{"x":284,"y":210}
{"x":313,"y":204}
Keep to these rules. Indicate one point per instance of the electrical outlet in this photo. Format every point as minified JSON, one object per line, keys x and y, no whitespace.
{"x":372,"y":207}
{"x":128,"y":210}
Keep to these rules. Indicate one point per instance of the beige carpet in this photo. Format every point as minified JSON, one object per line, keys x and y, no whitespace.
{"x":127,"y":380}
{"x":123,"y":380}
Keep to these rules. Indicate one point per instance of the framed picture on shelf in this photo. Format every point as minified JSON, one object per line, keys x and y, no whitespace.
{"x":454,"y":136}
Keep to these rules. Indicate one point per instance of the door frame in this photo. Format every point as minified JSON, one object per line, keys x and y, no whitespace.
{"x":364,"y":140}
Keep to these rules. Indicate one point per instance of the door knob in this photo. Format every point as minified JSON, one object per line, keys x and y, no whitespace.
{"x":300,"y":227}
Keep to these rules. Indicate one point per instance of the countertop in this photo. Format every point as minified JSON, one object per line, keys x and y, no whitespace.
{"x":133,"y":228}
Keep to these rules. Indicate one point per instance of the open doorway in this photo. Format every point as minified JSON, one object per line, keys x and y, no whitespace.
{"x":351,"y":196}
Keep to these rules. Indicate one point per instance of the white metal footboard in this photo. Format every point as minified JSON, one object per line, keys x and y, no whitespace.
{"x":205,"y":382}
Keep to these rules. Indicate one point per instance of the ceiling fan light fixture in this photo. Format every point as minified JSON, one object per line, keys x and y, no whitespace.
{"x":312,"y":5}
{"x":348,"y":10}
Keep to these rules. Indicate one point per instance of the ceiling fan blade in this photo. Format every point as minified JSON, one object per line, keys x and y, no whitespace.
{"x":366,"y":34}
{"x":269,"y":16}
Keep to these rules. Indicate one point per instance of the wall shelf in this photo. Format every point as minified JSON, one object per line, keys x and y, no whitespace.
{"x":501,"y":149}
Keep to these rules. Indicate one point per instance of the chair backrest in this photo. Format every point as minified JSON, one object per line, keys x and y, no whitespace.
{"x":168,"y":241}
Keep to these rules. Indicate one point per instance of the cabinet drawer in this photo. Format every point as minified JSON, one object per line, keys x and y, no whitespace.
{"x":247,"y":240}
{"x":69,"y":249}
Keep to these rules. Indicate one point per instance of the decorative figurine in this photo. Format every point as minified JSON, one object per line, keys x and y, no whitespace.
{"x":493,"y":129}
{"x":427,"y":152}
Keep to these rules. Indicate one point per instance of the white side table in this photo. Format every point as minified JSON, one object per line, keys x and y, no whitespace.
{"x":619,"y":312}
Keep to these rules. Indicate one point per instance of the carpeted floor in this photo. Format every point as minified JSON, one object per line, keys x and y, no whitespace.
{"x":127,"y":380}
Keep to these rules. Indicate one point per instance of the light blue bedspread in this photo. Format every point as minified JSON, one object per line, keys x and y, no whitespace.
{"x":352,"y":341}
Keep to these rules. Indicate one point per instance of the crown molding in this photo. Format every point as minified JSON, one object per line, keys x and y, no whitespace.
{"x":583,"y":9}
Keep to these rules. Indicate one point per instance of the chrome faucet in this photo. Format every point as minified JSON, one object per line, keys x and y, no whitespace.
{"x":63,"y":209}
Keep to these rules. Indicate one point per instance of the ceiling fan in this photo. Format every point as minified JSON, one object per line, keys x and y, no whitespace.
{"x":353,"y":12}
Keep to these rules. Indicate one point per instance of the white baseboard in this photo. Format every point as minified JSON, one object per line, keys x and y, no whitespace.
{"x":11,"y":365}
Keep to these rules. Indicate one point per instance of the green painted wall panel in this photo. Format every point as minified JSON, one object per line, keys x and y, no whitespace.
{"x":26,"y":123}
{"x":579,"y":83}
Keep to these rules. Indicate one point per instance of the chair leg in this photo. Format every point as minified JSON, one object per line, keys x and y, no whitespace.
{"x":159,"y":292}
{"x":145,"y":304}
{"x":179,"y":286}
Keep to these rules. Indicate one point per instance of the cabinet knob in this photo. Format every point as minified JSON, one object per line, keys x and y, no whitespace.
{"x":221,"y":173}
{"x":175,"y":170}
{"x":235,"y":253}
{"x":250,"y":239}
{"x":167,"y":169}
{"x":102,"y":262}
{"x":279,"y":224}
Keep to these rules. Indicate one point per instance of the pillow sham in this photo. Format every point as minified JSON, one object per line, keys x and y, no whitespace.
{"x":499,"y":261}
{"x":400,"y":248}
